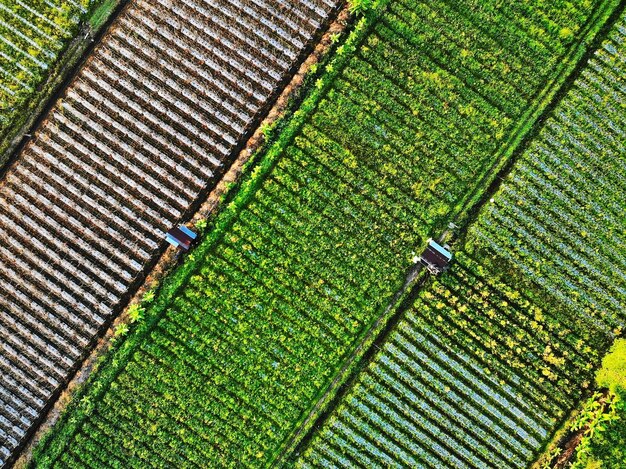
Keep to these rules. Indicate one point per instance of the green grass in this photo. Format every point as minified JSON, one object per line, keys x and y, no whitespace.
{"x":102,"y":13}
{"x":246,"y":337}
{"x":612,"y":375}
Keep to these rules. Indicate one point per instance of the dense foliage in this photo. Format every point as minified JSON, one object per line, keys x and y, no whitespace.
{"x":604,"y":442}
{"x":612,"y":375}
{"x":396,"y":136}
{"x":607,"y":448}
{"x":32,"y":34}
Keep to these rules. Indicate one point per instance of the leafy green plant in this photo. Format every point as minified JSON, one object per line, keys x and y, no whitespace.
{"x":359,"y":7}
{"x":604,"y":443}
{"x":148,"y":297}
{"x":121,"y":330}
{"x":597,"y":419}
{"x":267,"y":129}
{"x":201,"y":225}
{"x":135,"y":313}
{"x":612,"y":375}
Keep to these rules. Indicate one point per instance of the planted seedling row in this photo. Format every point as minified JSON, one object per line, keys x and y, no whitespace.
{"x":572,"y":241}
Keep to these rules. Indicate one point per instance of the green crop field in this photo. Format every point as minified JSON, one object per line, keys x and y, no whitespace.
{"x":476,"y":374}
{"x":32,"y":34}
{"x":559,"y":217}
{"x":400,"y":133}
{"x":492,"y":356}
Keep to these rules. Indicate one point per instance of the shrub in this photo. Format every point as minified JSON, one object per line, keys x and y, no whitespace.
{"x":613,"y":372}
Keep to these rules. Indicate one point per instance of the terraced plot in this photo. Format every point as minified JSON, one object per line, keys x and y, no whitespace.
{"x":149,"y":124}
{"x":248,"y":335}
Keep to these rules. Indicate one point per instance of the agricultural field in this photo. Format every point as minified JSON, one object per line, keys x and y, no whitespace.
{"x":493,"y":355}
{"x":559,"y":218}
{"x":32,"y":35}
{"x":476,"y":374}
{"x":149,"y":124}
{"x":394,"y":139}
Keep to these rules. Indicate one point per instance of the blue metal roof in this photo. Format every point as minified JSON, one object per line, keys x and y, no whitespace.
{"x":440,"y":249}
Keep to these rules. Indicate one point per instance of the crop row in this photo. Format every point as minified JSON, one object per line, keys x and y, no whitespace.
{"x":151,"y":121}
{"x":475,"y":375}
{"x":32,"y":34}
{"x":559,"y":217}
{"x":311,"y":250}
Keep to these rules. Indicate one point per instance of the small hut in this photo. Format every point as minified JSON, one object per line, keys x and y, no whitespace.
{"x":436,"y":258}
{"x":180,"y":237}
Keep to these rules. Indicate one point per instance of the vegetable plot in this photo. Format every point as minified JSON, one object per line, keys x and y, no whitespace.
{"x":475,"y":375}
{"x":250,"y":332}
{"x":150,"y":123}
{"x":32,"y":34}
{"x":480,"y":370}
{"x":559,"y":216}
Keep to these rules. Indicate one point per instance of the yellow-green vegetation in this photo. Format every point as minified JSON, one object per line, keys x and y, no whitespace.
{"x":604,"y":441}
{"x":32,"y":35}
{"x":359,"y":7}
{"x":613,"y":373}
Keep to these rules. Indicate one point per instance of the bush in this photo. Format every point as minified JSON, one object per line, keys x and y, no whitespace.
{"x":359,"y":7}
{"x":606,"y":446}
{"x":613,"y":372}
